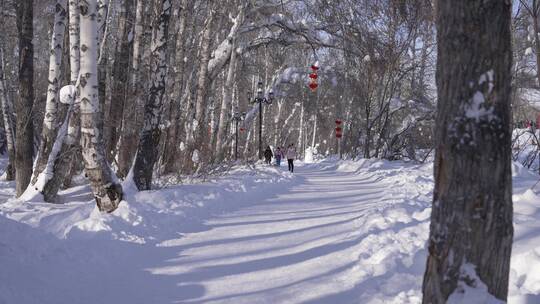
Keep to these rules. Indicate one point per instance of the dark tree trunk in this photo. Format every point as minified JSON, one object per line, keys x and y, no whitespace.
{"x":149,"y":139}
{"x":9,"y":122}
{"x":120,"y":80}
{"x":471,"y":220}
{"x":129,"y":136}
{"x":175,"y":112}
{"x":24,"y":141}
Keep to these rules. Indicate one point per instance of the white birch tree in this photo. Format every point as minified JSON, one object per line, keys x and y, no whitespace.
{"x":46,"y":155}
{"x":105,"y":187}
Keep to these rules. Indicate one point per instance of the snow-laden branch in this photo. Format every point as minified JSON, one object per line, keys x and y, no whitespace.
{"x":273,"y":27}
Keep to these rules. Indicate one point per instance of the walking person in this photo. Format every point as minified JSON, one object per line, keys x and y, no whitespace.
{"x":278,"y":155}
{"x":268,"y":155}
{"x":291,"y":155}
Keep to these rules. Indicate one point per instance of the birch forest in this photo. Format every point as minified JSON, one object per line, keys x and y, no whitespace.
{"x":143,"y":141}
{"x":150,"y":88}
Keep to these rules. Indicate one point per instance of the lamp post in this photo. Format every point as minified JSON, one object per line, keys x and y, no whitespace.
{"x":237,"y":117}
{"x":261,"y":99}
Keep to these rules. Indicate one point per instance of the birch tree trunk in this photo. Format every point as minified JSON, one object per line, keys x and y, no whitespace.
{"x":149,"y":139}
{"x":69,"y":136}
{"x":9,"y":122}
{"x":224,"y":115}
{"x":24,"y":141}
{"x":46,"y":156}
{"x":107,"y":191}
{"x":471,"y":220}
{"x":74,"y":40}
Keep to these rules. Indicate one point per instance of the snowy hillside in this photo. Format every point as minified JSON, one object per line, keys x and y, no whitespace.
{"x":334,"y":232}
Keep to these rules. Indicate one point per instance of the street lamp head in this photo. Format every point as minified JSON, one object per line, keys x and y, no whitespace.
{"x":260,"y":89}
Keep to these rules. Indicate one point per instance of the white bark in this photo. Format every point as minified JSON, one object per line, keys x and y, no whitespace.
{"x":50,"y":124}
{"x":74,"y":43}
{"x":107,"y":191}
{"x":69,"y":132}
{"x":226,"y":103}
{"x":222,"y":54}
{"x":138,"y":33}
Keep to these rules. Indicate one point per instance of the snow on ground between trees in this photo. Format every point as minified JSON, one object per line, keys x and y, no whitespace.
{"x":334,"y":232}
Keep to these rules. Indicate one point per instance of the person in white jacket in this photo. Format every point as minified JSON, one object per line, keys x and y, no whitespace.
{"x":291,"y":155}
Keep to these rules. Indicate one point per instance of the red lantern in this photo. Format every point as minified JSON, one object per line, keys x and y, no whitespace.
{"x":313,"y":86}
{"x":242,"y":129}
{"x":313,"y":76}
{"x":314,"y":67}
{"x":338,"y":128}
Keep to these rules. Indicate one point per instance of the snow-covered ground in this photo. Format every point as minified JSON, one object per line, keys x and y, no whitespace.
{"x":334,"y":232}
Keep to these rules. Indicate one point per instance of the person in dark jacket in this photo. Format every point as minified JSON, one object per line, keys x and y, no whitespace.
{"x":268,"y":155}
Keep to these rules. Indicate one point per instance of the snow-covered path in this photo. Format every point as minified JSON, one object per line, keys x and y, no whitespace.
{"x":320,"y":242}
{"x":335,"y":232}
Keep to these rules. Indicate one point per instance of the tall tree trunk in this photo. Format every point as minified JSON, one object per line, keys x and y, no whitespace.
{"x":9,"y":121}
{"x":46,"y":155}
{"x":129,"y":137}
{"x":107,"y":191}
{"x":120,"y":83}
{"x":24,"y":141}
{"x":199,"y":125}
{"x":170,"y":148}
{"x":471,"y":221}
{"x":534,"y":9}
{"x":69,"y":136}
{"x":74,"y":40}
{"x":225,"y":115}
{"x":103,"y":14}
{"x":149,"y":139}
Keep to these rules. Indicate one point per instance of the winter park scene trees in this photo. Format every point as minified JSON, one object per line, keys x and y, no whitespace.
{"x":270,"y":151}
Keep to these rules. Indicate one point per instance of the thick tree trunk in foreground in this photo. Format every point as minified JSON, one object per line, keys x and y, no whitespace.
{"x":107,"y":191}
{"x":149,"y":139}
{"x":24,"y":142}
{"x":471,"y":220}
{"x":9,"y":122}
{"x":50,"y":123}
